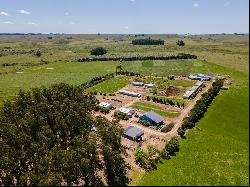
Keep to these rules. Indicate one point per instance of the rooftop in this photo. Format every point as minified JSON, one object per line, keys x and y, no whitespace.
{"x":154,"y":116}
{"x":133,"y":132}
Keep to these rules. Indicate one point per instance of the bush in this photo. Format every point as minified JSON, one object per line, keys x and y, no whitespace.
{"x":167,"y":128}
{"x":144,"y":122}
{"x":148,"y":41}
{"x":38,"y":53}
{"x":120,"y":115}
{"x":154,"y":91}
{"x":181,"y":132}
{"x":104,"y":110}
{"x":98,"y":51}
{"x":172,"y":146}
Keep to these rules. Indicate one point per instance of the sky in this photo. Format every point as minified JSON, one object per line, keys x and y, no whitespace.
{"x":125,"y":16}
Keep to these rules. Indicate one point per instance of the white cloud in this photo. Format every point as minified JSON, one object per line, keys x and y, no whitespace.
{"x":196,"y":5}
{"x":132,"y":1}
{"x":126,"y":27}
{"x":31,"y":23}
{"x":23,"y":12}
{"x":8,"y":22}
{"x":66,"y":13}
{"x":3,"y":13}
{"x":72,"y":23}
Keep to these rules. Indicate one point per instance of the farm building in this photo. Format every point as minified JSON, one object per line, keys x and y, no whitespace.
{"x":127,"y":111}
{"x":128,"y":93}
{"x":153,"y":118}
{"x":106,"y":105}
{"x":137,"y":83}
{"x":190,"y":92}
{"x":200,"y":77}
{"x":133,"y":133}
{"x":149,"y":85}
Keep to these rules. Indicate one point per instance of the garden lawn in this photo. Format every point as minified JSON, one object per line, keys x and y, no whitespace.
{"x":111,"y":85}
{"x":157,"y":109}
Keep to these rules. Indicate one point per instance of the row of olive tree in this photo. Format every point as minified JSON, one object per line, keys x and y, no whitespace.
{"x":46,"y":138}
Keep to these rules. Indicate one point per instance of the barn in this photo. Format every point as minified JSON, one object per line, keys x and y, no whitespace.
{"x":133,"y":133}
{"x":153,"y":118}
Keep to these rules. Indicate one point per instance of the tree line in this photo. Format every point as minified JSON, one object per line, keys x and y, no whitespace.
{"x":200,"y":107}
{"x":46,"y":138}
{"x":170,"y":57}
{"x":148,"y":41}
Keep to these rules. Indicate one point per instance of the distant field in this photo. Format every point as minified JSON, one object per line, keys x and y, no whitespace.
{"x":160,"y":68}
{"x":111,"y":85}
{"x":71,"y":73}
{"x":216,"y":152}
{"x":159,"y":110}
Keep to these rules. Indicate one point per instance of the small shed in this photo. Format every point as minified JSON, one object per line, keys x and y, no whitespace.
{"x":133,"y":133}
{"x":150,"y":85}
{"x":153,"y":118}
{"x":106,"y":105}
{"x":127,"y":111}
{"x":136,"y":83}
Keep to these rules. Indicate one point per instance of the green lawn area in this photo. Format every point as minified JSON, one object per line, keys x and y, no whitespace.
{"x":216,"y":151}
{"x":71,"y":73}
{"x":175,"y":100}
{"x":157,"y":109}
{"x":183,"y":83}
{"x":111,"y":85}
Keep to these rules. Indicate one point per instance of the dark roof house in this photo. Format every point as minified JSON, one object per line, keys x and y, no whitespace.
{"x":133,"y":133}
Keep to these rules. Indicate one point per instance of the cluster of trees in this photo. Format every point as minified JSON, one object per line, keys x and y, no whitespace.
{"x":147,"y":159}
{"x":46,"y":139}
{"x":168,"y":127}
{"x":147,"y":41}
{"x":120,"y":115}
{"x":134,"y":58}
{"x":165,"y":101}
{"x":180,"y":43}
{"x":98,"y":51}
{"x":200,"y":107}
{"x":94,"y":81}
{"x":171,"y":148}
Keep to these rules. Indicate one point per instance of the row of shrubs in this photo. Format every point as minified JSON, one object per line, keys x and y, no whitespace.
{"x":165,"y":101}
{"x":171,"y":57}
{"x":200,"y":107}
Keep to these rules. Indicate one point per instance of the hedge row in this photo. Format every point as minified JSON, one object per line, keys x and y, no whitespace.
{"x":171,"y":57}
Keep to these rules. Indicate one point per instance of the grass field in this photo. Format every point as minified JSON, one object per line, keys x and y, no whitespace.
{"x":111,"y":85}
{"x":157,"y":109}
{"x":216,"y":151}
{"x":71,"y":73}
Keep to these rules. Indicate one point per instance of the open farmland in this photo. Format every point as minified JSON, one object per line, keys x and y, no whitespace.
{"x":216,"y":151}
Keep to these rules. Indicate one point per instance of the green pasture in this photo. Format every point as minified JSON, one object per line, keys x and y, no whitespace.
{"x":147,"y":107}
{"x":111,"y":85}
